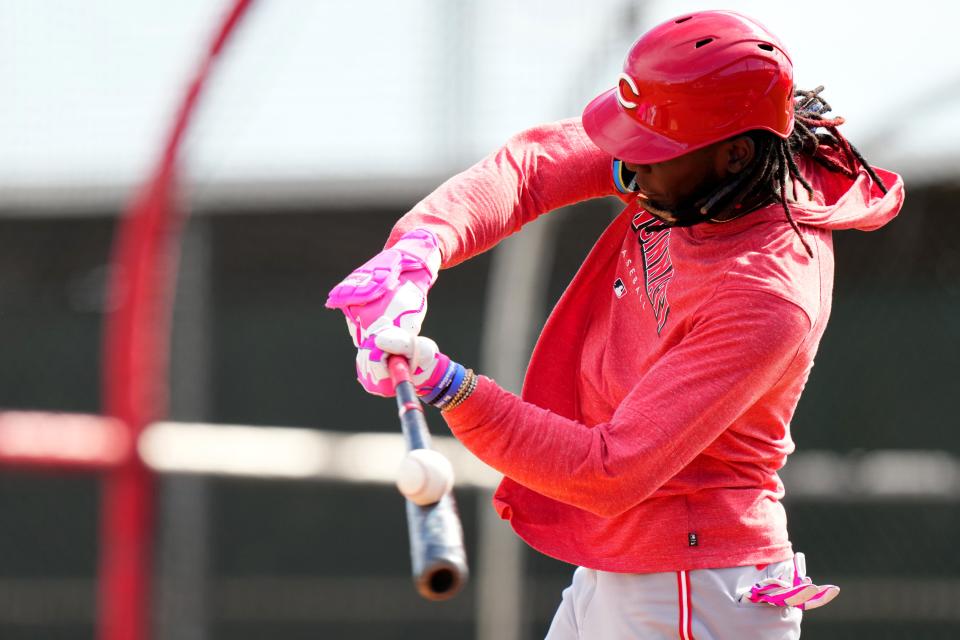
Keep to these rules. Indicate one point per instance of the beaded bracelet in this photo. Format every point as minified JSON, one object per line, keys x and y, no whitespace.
{"x":458,"y":394}
{"x":474,"y":381}
{"x":467,"y":387}
{"x":462,"y":394}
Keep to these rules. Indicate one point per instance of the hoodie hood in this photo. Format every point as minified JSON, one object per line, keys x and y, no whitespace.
{"x":845,"y":203}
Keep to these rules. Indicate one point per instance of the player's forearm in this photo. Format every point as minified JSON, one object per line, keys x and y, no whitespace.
{"x":536,"y":171}
{"x":605,"y":469}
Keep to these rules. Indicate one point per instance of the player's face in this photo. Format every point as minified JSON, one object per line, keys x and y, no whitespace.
{"x":671,"y":188}
{"x":672,"y":184}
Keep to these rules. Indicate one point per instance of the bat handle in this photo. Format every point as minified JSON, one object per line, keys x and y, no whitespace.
{"x":412,"y":420}
{"x":399,"y":369}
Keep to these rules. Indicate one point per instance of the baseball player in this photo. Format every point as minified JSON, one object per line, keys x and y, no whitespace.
{"x":656,"y":408}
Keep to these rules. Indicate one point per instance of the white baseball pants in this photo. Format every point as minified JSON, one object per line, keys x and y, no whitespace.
{"x":690,"y":605}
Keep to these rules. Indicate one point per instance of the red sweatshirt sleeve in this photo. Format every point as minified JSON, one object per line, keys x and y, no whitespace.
{"x":738,"y":346}
{"x":536,"y":171}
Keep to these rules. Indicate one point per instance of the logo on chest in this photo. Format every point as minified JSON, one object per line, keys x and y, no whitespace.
{"x":619,"y":288}
{"x":653,"y":240}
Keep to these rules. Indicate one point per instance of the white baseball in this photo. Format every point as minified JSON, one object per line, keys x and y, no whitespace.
{"x":424,"y":476}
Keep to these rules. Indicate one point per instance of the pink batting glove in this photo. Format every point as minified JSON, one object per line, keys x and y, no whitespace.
{"x":793,"y":591}
{"x":430,"y":370}
{"x":390,"y":289}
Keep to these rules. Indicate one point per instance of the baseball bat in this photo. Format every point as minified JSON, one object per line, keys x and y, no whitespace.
{"x":436,"y":535}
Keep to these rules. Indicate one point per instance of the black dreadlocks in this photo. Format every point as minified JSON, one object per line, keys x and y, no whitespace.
{"x":774,"y":165}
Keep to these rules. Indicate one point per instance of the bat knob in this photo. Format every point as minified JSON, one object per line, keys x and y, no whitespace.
{"x":442,"y":581}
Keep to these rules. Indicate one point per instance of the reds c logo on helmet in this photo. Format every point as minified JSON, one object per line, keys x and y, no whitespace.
{"x":627,"y":93}
{"x":692,"y":81}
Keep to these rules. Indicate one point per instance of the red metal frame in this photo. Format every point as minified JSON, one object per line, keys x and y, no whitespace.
{"x":135,"y":390}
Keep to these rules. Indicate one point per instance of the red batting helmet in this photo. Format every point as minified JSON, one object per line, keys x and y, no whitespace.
{"x":692,"y":81}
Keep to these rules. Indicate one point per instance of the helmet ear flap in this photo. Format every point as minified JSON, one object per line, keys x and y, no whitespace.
{"x":624,"y":179}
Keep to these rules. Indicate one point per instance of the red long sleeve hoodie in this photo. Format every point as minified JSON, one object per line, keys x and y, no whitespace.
{"x":656,"y":407}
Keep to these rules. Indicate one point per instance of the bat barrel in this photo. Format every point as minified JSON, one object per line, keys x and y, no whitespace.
{"x":436,"y":549}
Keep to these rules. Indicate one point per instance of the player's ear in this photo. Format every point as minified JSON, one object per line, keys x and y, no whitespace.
{"x":737,"y":153}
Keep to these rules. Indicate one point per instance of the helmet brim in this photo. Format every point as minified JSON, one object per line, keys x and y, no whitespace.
{"x":615,"y":132}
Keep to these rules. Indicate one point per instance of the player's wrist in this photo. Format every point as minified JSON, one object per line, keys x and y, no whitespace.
{"x":421,"y":251}
{"x":466,"y":388}
{"x":461,"y":387}
{"x":447,"y":386}
{"x":445,"y":376}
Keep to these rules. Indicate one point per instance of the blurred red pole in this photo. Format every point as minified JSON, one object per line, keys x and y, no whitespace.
{"x":136,"y":341}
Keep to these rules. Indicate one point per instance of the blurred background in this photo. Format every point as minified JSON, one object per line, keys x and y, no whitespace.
{"x":324,"y":122}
